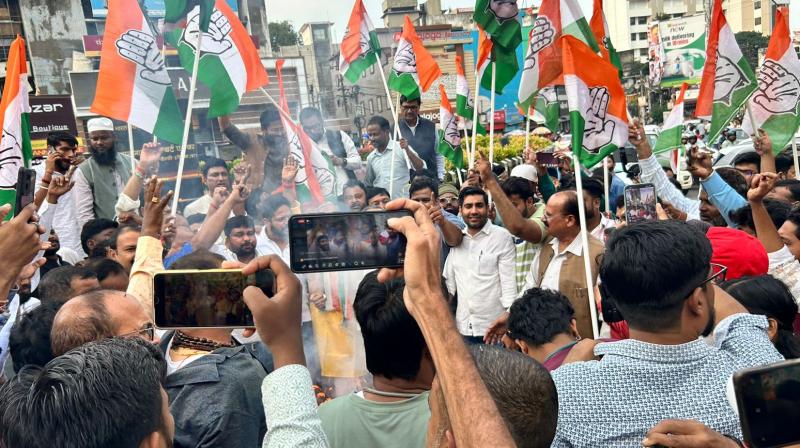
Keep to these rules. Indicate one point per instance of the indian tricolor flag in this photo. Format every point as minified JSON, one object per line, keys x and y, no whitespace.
{"x":229,"y":62}
{"x":14,"y":109}
{"x":547,"y":109}
{"x":671,"y":132}
{"x":727,"y":78}
{"x":599,"y":27}
{"x":133,"y":84}
{"x":596,"y":99}
{"x":414,"y":69}
{"x":449,"y":137}
{"x":774,"y":105}
{"x":360,"y":47}
{"x":465,"y":102}
{"x":315,"y":179}
{"x":542,"y":66}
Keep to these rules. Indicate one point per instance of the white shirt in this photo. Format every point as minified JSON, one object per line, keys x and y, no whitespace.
{"x":352,"y":162}
{"x":228,"y":254}
{"x":552,"y":275}
{"x":268,"y":247}
{"x":599,"y":232}
{"x":481,"y":271}
{"x":199,"y":206}
{"x":65,"y":216}
{"x":379,"y":166}
{"x":84,"y":198}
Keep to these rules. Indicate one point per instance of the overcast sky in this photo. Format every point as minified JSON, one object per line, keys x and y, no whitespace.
{"x":338,"y":11}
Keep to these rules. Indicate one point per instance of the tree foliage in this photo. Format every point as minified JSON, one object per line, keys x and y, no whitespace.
{"x":282,"y":34}
{"x":750,"y":42}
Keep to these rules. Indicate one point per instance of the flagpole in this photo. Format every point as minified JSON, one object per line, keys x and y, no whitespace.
{"x":475,"y":97}
{"x":188,"y":123}
{"x":585,"y":244}
{"x":528,"y":128}
{"x":388,"y":94}
{"x":491,"y":111}
{"x":606,"y":182}
{"x":130,"y":144}
{"x":396,"y":135}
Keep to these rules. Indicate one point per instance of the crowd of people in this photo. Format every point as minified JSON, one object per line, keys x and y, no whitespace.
{"x":485,"y":337}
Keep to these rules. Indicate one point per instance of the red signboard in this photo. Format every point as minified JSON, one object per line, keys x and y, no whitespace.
{"x":499,"y":120}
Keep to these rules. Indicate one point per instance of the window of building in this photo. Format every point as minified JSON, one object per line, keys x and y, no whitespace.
{"x":380,"y":104}
{"x":633,"y":37}
{"x":757,"y":4}
{"x":633,"y":20}
{"x":370,"y":107}
{"x":758,"y":21}
{"x":643,"y":36}
{"x":320,"y":34}
{"x":643,"y":20}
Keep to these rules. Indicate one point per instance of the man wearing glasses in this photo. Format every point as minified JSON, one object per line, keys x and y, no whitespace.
{"x":421,"y":135}
{"x":663,"y":282}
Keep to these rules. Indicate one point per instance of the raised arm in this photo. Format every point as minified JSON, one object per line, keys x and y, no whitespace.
{"x":473,"y":414}
{"x":722,"y":195}
{"x":763,"y":146}
{"x":215,"y":219}
{"x":515,"y":223}
{"x":233,"y":133}
{"x":766,"y":231}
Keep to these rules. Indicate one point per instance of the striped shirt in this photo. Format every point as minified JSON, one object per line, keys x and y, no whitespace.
{"x":526,"y":251}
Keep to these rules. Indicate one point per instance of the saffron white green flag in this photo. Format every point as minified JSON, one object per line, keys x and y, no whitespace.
{"x":542,"y":66}
{"x":774,"y":105}
{"x":728,"y":79}
{"x":413,"y":69}
{"x":15,"y":151}
{"x":547,"y":109}
{"x":449,"y":137}
{"x":597,"y":112}
{"x":670,"y":136}
{"x":465,"y":102}
{"x":360,"y":47}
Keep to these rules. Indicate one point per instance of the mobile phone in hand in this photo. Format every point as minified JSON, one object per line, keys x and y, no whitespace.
{"x":546,"y":159}
{"x":768,"y":398}
{"x":345,"y":241}
{"x":25,"y":189}
{"x":640,"y":203}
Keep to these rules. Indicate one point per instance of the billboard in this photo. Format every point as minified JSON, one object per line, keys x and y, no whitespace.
{"x":684,"y":43}
{"x":155,"y":8}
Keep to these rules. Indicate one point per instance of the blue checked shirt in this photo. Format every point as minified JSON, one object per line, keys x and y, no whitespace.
{"x":615,"y":401}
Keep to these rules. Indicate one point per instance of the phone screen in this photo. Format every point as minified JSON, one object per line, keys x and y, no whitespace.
{"x":769,"y":404}
{"x":640,"y":203}
{"x":344,"y":241}
{"x":203,"y":299}
{"x":25,"y":190}
{"x":546,"y":159}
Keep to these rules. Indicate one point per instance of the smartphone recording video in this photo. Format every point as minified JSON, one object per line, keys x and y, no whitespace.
{"x":768,"y":399}
{"x":640,"y":203}
{"x":345,"y":241}
{"x":25,"y":189}
{"x":206,"y":298}
{"x":546,"y":159}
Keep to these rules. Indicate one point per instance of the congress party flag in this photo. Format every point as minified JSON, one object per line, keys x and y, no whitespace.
{"x":449,"y":137}
{"x":774,"y":104}
{"x":360,"y":47}
{"x":542,"y":66}
{"x":133,"y":84}
{"x":727,"y":78}
{"x":176,"y":11}
{"x":597,"y":112}
{"x":414,"y":69}
{"x":546,"y":109}
{"x":499,"y":19}
{"x":14,"y":110}
{"x":465,"y":102}
{"x":229,"y":63}
{"x":671,"y":132}
{"x":315,"y":179}
{"x":599,"y":27}
{"x":505,"y":62}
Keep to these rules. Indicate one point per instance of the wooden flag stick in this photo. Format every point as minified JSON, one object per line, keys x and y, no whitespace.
{"x":475,"y":96}
{"x":187,"y":124}
{"x":130,"y":144}
{"x":491,"y":117}
{"x":587,"y":267}
{"x":606,"y":184}
{"x":528,"y":128}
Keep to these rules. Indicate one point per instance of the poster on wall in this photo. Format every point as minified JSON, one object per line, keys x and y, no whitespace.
{"x":655,"y":55}
{"x":684,"y":44}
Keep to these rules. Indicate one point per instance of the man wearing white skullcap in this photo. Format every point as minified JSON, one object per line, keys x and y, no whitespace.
{"x":100,"y":180}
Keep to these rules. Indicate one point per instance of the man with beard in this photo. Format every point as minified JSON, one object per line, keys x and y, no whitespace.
{"x":481,"y":269}
{"x":51,"y":255}
{"x":336,"y":144}
{"x":100,"y":180}
{"x":267,"y":149}
{"x":354,"y":196}
{"x":61,"y":155}
{"x":663,"y":282}
{"x":274,"y":236}
{"x":215,"y":174}
{"x":421,"y":135}
{"x":240,"y":240}
{"x":448,"y":198}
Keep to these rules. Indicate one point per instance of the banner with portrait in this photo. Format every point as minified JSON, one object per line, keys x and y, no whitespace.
{"x":684,"y":50}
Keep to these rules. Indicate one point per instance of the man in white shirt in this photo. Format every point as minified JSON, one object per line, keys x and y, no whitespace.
{"x":336,"y":144}
{"x":215,"y":174}
{"x":559,"y":264}
{"x":240,"y":240}
{"x":385,"y":155}
{"x":480,"y":271}
{"x":61,"y":147}
{"x":274,"y":236}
